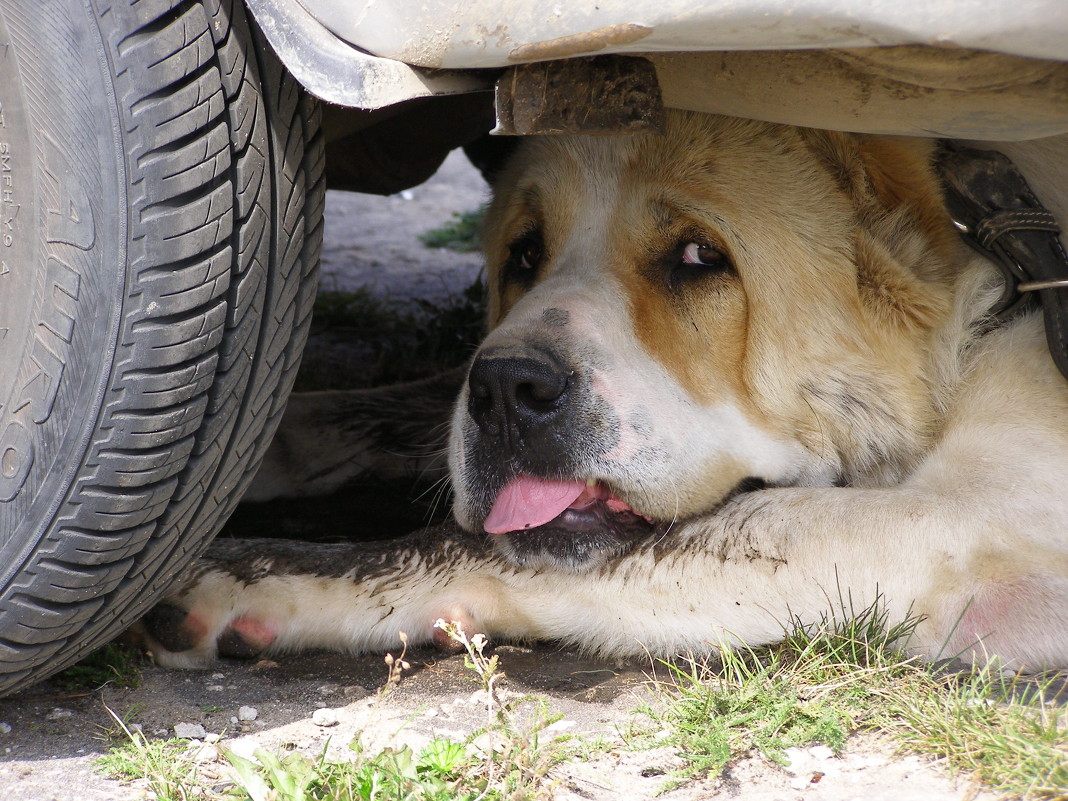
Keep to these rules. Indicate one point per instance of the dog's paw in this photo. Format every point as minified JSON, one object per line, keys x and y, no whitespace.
{"x":194,"y":638}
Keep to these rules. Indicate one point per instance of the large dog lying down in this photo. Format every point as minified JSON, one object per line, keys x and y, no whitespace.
{"x":736,"y":377}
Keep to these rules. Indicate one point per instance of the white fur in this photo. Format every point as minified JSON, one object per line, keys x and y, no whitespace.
{"x":965,"y":525}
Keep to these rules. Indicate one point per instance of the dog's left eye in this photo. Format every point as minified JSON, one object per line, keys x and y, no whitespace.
{"x":698,"y":254}
{"x":525,"y":256}
{"x":694,"y":260}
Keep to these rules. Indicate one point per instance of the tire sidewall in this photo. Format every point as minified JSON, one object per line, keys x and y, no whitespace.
{"x":64,"y":212}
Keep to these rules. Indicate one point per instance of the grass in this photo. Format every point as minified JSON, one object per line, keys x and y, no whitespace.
{"x":114,"y":664}
{"x":403,"y":341}
{"x":463,"y":232}
{"x":507,"y":758}
{"x":166,"y":766}
{"x":821,"y":685}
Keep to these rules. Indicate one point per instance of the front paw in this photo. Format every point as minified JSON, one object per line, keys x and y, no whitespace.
{"x":176,"y":637}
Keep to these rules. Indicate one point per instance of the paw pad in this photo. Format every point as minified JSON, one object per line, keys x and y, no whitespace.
{"x":174,"y":628}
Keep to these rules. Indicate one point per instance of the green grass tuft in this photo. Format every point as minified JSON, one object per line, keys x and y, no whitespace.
{"x":821,"y":684}
{"x":462,"y":233}
{"x":403,"y":342}
{"x":165,"y":765}
{"x":113,"y":664}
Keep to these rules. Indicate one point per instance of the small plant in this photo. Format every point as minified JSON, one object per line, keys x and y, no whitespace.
{"x":515,"y":761}
{"x":166,"y":765}
{"x":505,"y":759}
{"x":404,"y":342}
{"x":821,"y":684}
{"x":113,"y":664}
{"x":118,"y":732}
{"x":462,"y":233}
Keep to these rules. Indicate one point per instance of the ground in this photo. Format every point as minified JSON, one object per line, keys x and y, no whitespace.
{"x":50,"y":737}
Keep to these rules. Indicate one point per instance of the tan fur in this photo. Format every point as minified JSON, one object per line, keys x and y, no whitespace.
{"x":910,"y":458}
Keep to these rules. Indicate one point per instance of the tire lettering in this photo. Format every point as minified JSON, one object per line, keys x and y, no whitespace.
{"x":16,"y":458}
{"x":9,"y":209}
{"x":56,"y":323}
{"x":72,"y":222}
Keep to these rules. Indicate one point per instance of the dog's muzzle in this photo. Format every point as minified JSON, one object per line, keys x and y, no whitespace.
{"x":521,"y":399}
{"x":536,"y":421}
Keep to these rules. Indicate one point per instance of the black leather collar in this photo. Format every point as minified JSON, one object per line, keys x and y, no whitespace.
{"x":998,"y":214}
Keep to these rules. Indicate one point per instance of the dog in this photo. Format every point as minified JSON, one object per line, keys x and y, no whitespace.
{"x":739,"y":376}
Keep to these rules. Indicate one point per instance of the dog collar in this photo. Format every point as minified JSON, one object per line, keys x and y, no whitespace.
{"x":999,"y":215}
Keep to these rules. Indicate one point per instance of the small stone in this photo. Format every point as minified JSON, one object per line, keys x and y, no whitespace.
{"x":799,"y":782}
{"x":560,"y":725}
{"x":189,"y":731}
{"x":136,"y":728}
{"x":215,"y":688}
{"x":59,"y":713}
{"x":233,"y":720}
{"x":795,"y":758}
{"x":324,"y":717}
{"x":212,"y":737}
{"x":206,"y":753}
{"x":247,"y":713}
{"x":821,"y":752}
{"x":5,"y":729}
{"x":326,"y":689}
{"x":244,"y":747}
{"x":218,"y":675}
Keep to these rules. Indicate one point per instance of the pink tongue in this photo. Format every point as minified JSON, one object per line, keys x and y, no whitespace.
{"x":527,"y":502}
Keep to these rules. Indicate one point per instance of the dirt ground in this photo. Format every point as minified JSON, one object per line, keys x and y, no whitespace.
{"x":49,"y":738}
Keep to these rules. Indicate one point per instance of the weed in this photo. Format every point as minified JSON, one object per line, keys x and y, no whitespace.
{"x":119,"y":731}
{"x":166,"y":765}
{"x":505,"y":759}
{"x":462,"y":233}
{"x":403,"y":342}
{"x":821,"y":684}
{"x":514,"y":758}
{"x":113,"y":664}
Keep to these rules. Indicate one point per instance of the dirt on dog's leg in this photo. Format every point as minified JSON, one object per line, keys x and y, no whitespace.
{"x":767,"y":561}
{"x":245,"y":598}
{"x":327,"y":439}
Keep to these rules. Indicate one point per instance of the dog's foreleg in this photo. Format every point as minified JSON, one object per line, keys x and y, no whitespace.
{"x":768,"y":561}
{"x":245,"y":598}
{"x":327,"y":439}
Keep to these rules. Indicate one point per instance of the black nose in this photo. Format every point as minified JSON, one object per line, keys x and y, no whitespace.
{"x":516,"y":393}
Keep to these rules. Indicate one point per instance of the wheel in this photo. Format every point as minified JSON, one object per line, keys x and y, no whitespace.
{"x":160,"y":224}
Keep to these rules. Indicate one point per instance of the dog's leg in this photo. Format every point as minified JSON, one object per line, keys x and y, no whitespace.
{"x":247,"y":597}
{"x":327,"y":439}
{"x":768,"y":560}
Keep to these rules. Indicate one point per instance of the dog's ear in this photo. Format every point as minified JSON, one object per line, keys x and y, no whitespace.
{"x":893,"y":185}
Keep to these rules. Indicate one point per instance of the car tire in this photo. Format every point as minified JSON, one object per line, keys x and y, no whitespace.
{"x":160,"y":223}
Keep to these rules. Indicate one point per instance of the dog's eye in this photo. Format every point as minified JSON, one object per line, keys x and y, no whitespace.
{"x":525,"y":256}
{"x":704,"y":256}
{"x":694,"y":260}
{"x":530,"y":254}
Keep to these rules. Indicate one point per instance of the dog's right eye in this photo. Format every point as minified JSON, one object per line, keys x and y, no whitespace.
{"x":525,"y":256}
{"x":694,"y":260}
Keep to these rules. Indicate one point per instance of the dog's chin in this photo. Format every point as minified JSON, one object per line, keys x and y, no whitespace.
{"x":578,"y":540}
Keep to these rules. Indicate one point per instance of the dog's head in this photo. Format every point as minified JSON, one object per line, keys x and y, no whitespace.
{"x":674,"y":317}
